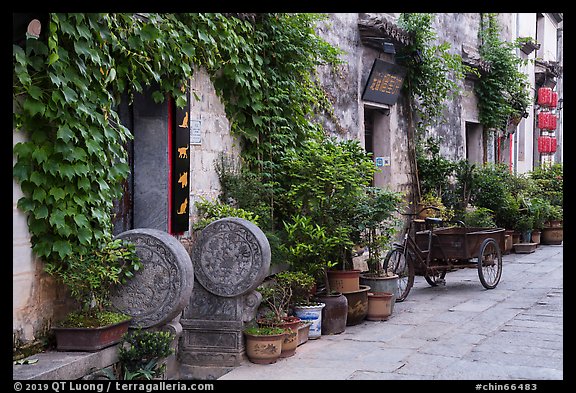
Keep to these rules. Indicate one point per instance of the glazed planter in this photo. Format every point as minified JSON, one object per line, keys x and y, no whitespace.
{"x":89,"y":339}
{"x":381,"y":284}
{"x":357,"y":305}
{"x":552,"y":235}
{"x":312,"y":314}
{"x":344,"y":280}
{"x":263,"y":349}
{"x":379,"y":306}
{"x":334,"y":314}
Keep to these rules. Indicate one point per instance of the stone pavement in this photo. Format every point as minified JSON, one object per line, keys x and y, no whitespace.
{"x":459,"y":331}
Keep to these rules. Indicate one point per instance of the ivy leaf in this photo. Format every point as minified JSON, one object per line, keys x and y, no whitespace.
{"x":84,"y":183}
{"x":58,"y":193}
{"x":69,"y":95}
{"x":39,"y":195}
{"x":81,"y":220}
{"x":62,"y":247}
{"x":84,"y":235}
{"x":41,"y":212}
{"x":35,"y":92}
{"x":33,"y":106}
{"x":41,"y":154}
{"x":65,"y":133}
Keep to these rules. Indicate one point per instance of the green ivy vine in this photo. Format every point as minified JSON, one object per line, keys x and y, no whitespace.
{"x":67,"y":87}
{"x":504,"y":92}
{"x":432,"y":71}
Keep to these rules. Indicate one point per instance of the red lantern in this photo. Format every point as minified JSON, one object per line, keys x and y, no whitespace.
{"x":554,"y":100}
{"x":553,"y":144}
{"x":546,"y":121}
{"x":544,"y":96}
{"x":544,"y":144}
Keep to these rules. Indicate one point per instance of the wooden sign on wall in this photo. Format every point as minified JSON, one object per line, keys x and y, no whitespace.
{"x":181,"y":168}
{"x":384,"y":82}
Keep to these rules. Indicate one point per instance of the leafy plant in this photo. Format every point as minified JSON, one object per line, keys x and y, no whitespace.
{"x":313,"y":249}
{"x":264,"y":330}
{"x":549,"y":183}
{"x":209,"y":211}
{"x":555,"y":213}
{"x":91,"y":276}
{"x":300,"y":283}
{"x":433,"y":72}
{"x":479,"y":217}
{"x":504,"y":91}
{"x":432,"y":200}
{"x":376,"y":223}
{"x":141,"y":353}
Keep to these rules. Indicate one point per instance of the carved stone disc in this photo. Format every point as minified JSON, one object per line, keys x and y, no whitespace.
{"x":160,"y":291}
{"x":231,"y":257}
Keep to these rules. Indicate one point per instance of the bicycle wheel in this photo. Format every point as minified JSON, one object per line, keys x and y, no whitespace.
{"x":401,"y":264}
{"x":434,"y":275}
{"x":489,"y":263}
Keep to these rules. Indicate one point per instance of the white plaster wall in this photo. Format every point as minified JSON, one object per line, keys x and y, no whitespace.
{"x":36,"y":299}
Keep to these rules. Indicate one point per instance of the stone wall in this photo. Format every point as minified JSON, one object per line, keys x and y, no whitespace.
{"x":216,"y":139}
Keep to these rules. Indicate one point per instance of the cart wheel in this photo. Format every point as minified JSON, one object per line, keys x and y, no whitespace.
{"x":401,"y":264}
{"x":433,"y":276}
{"x":489,"y":263}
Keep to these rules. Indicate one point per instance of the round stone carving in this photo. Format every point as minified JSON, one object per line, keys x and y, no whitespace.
{"x":160,"y":291}
{"x":231,"y":257}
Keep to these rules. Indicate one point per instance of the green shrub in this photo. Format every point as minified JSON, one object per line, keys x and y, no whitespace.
{"x":141,"y":353}
{"x":479,"y":217}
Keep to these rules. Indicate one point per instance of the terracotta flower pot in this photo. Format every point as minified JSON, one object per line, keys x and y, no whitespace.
{"x":290,"y":342}
{"x":344,"y":280}
{"x":263,"y":349}
{"x":379,"y":306}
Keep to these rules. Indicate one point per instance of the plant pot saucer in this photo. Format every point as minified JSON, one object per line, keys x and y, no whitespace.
{"x":525,"y":248}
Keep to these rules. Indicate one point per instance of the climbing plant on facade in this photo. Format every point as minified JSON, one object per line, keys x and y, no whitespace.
{"x":433,"y":76}
{"x":504,"y":92}
{"x":433,"y":73}
{"x":67,"y":88}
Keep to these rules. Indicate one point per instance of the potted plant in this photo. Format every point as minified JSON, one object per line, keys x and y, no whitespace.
{"x":310,"y":249}
{"x":553,"y":231}
{"x":302,"y":304}
{"x":264,"y":343}
{"x":376,"y":226}
{"x":276,"y":294}
{"x":90,"y":277}
{"x":142,"y":354}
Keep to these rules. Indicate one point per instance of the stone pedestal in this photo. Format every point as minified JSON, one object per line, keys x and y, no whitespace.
{"x":231,"y":257}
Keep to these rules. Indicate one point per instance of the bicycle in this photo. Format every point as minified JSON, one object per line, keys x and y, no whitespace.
{"x":399,"y":258}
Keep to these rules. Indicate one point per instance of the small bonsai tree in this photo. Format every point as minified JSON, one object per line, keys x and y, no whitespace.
{"x":91,"y":276}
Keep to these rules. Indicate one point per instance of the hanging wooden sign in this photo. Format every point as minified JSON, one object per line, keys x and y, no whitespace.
{"x":180,"y":218}
{"x":384,"y":82}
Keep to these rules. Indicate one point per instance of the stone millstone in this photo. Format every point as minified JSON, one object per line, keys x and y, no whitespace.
{"x":231,"y":257}
{"x":161,"y":289}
